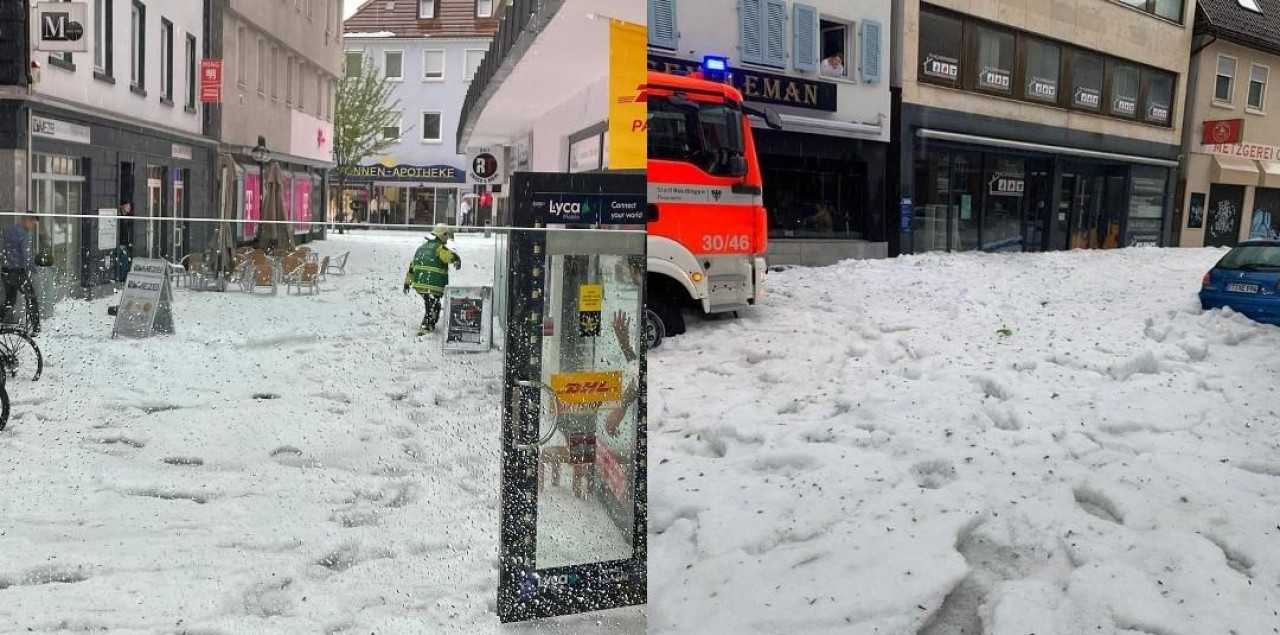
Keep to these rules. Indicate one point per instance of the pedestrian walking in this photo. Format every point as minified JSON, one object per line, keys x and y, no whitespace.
{"x":429,"y":273}
{"x":16,"y":272}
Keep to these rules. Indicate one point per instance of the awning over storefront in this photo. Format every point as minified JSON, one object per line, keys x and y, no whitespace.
{"x":1234,"y":170}
{"x":1270,"y":173}
{"x":830,"y":127}
{"x":957,"y":137}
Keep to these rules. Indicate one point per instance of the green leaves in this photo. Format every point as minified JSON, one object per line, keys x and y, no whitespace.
{"x":364,"y":110}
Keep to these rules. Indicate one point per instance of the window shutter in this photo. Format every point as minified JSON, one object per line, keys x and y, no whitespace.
{"x":869,"y":63}
{"x":662,"y":24}
{"x":751,"y":31}
{"x":775,"y":33}
{"x":805,"y":41}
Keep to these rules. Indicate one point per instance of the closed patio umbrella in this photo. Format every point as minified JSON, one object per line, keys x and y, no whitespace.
{"x":274,"y":233}
{"x":222,"y":261}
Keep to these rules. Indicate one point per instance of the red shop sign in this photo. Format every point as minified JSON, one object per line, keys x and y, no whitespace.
{"x":210,"y":81}
{"x":1223,"y":131}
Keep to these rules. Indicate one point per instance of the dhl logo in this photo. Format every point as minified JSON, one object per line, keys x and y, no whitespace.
{"x":587,"y":388}
{"x":641,"y":96}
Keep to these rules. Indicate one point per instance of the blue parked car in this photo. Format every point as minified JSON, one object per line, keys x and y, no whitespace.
{"x":1247,"y":279}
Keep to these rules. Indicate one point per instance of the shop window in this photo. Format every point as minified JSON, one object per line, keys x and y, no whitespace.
{"x":1265,"y":222}
{"x":1042,"y":71}
{"x":427,"y":9}
{"x":1225,"y":88}
{"x":353,"y":63}
{"x":1125,"y":83}
{"x":433,"y":65}
{"x":431,"y":127}
{"x":1146,"y":206}
{"x":472,"y":61}
{"x":835,"y":48}
{"x":941,"y":47}
{"x":1087,"y":74}
{"x":393,"y":65}
{"x":1159,"y":98}
{"x":995,"y":61}
{"x":1258,"y":76}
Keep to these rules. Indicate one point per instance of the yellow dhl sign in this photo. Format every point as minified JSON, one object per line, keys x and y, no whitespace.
{"x":584,"y":388}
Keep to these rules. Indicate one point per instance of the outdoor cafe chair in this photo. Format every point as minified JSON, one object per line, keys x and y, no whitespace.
{"x":306,"y":276}
{"x":262,"y":276}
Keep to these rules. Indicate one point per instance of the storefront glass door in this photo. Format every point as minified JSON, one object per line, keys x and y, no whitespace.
{"x":58,"y":184}
{"x":1098,"y":205}
{"x":173,"y":250}
{"x":155,"y":209}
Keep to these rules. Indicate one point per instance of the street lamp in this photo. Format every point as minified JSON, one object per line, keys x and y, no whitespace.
{"x":261,"y":155}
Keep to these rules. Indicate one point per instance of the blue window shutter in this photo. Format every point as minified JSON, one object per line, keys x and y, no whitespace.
{"x":775,"y":33}
{"x":663,"y":32}
{"x":869,"y":63}
{"x":805,"y":41}
{"x":751,"y":30}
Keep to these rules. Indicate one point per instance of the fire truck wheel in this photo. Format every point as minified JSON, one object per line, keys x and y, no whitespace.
{"x":654,"y":329}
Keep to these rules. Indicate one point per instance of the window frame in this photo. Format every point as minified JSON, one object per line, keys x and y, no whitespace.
{"x":288,"y":80}
{"x":440,"y":126}
{"x":1150,"y":9}
{"x":346,"y":57}
{"x":138,"y":47}
{"x":963,"y":69}
{"x":242,"y":51}
{"x":484,"y":16}
{"x":275,"y":74}
{"x":399,"y":129}
{"x":465,"y":54}
{"x":1260,"y":109}
{"x":166,"y":61}
{"x":1217,"y":73}
{"x":850,"y":43}
{"x":1022,"y":77}
{"x":1109,"y":105}
{"x":104,"y":39}
{"x":262,"y":66}
{"x":444,"y":65}
{"x":973,"y":48}
{"x":388,"y":78}
{"x":193,"y":55}
{"x":435,"y":9}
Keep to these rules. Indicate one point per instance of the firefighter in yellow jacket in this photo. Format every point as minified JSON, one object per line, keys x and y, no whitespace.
{"x":429,"y":273}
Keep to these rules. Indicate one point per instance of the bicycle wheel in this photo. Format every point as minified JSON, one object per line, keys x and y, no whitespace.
{"x":19,"y":355}
{"x":4,"y":403}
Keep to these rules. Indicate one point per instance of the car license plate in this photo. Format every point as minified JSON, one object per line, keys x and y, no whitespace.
{"x":1240,"y":287}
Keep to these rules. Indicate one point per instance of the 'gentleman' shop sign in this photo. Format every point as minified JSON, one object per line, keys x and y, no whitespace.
{"x":761,"y":87}
{"x":406,"y":173}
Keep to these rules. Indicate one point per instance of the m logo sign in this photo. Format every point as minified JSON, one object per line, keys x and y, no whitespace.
{"x":59,"y":27}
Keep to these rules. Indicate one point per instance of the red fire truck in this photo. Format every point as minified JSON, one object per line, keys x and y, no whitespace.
{"x":707,"y":224}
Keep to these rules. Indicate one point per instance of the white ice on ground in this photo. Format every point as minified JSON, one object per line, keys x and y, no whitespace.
{"x":866,"y":452}
{"x":286,"y":464}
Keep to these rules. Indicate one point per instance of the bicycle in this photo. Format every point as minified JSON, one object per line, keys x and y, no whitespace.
{"x":19,"y":352}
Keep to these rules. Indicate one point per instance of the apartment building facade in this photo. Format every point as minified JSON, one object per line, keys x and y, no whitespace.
{"x":117,"y":123}
{"x":1229,"y":187}
{"x":281,"y":62}
{"x":429,"y":50}
{"x":1032,"y":125}
{"x":823,"y":65}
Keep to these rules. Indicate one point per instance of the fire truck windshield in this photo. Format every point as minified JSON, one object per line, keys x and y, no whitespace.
{"x":708,"y":135}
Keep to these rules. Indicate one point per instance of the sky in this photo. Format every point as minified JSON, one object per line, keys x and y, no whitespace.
{"x":349,"y":7}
